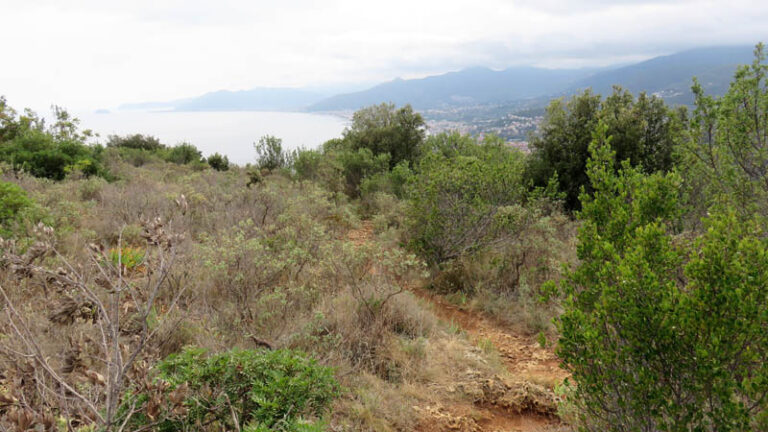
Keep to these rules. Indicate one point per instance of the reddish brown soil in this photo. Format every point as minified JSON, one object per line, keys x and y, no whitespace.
{"x":522,"y":355}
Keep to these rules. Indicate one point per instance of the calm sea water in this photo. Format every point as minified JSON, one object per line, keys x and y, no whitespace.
{"x":229,"y":133}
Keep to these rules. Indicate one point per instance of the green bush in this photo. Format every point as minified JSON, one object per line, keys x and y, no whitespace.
{"x":661,"y":332}
{"x":42,"y":155}
{"x":183,"y":154}
{"x":644,"y":130}
{"x":263,"y":390}
{"x":135,"y":141}
{"x":218,"y":162}
{"x":454,"y":201}
{"x":383,"y":129}
{"x":54,"y":151}
{"x":270,"y":153}
{"x":13,"y":202}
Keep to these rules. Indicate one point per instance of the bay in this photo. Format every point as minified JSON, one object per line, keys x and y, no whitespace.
{"x":231,"y":133}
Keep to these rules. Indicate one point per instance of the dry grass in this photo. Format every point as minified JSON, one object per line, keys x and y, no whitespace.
{"x":266,"y":263}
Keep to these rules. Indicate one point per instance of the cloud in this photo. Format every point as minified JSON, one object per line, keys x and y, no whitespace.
{"x":91,"y":53}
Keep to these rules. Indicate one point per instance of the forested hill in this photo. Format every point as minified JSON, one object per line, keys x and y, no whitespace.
{"x":668,"y":76}
{"x":474,"y":86}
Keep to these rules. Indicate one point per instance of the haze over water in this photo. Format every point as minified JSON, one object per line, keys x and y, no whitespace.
{"x":229,"y":133}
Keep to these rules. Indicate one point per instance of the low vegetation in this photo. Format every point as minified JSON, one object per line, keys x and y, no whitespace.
{"x":145,"y":287}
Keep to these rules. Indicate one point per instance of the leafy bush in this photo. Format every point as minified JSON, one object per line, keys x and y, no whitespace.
{"x":382,"y":129}
{"x":660,"y":332}
{"x":47,"y":151}
{"x":218,"y":162}
{"x":644,"y":131}
{"x":257,"y":390}
{"x":455,"y":200}
{"x":127,"y":258}
{"x":135,"y":141}
{"x":183,"y":154}
{"x":726,"y":157}
{"x":13,"y":202}
{"x":270,"y":154}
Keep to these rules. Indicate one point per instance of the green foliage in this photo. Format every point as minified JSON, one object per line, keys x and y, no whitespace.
{"x":658,"y":332}
{"x":46,"y":151}
{"x":270,"y":153}
{"x":644,"y":132}
{"x":726,"y":153}
{"x":358,"y":165}
{"x":383,"y":129}
{"x":260,"y":390}
{"x":127,"y":258}
{"x":135,"y":141}
{"x":454,"y":199}
{"x":218,"y":162}
{"x":13,"y":203}
{"x":183,"y":154}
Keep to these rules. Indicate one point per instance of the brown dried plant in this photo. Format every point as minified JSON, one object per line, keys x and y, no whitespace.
{"x":107,"y":317}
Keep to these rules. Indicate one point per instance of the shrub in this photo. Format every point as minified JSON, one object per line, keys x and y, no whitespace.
{"x":270,"y":154}
{"x":727,"y":153}
{"x":383,"y":129}
{"x":47,"y":151}
{"x":660,"y":332}
{"x":13,"y":202}
{"x":127,"y":258}
{"x":218,"y":162}
{"x":644,"y":130}
{"x":42,"y":155}
{"x":135,"y":141}
{"x":183,"y":154}
{"x":257,"y":389}
{"x":454,"y":200}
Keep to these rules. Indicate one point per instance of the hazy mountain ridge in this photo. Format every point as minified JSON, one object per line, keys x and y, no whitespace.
{"x":473,"y":86}
{"x":671,"y":76}
{"x":668,"y":76}
{"x":257,"y":99}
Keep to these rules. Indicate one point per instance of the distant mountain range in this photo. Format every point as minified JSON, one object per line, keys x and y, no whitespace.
{"x":672,"y":76}
{"x":668,"y":76}
{"x":474,"y":86}
{"x":258,"y":99}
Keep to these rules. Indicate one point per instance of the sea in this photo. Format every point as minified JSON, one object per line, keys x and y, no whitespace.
{"x":230,"y":133}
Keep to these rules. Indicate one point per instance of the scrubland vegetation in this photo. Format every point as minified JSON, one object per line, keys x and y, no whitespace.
{"x":147,"y":288}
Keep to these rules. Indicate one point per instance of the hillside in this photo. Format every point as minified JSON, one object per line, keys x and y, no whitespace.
{"x":670,"y":76}
{"x":474,"y":86}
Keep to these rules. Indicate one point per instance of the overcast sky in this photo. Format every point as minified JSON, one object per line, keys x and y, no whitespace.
{"x":86,"y":54}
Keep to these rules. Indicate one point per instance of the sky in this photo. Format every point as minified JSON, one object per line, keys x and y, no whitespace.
{"x":88,"y":54}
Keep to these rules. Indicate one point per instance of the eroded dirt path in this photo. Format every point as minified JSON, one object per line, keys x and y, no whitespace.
{"x":523,"y":401}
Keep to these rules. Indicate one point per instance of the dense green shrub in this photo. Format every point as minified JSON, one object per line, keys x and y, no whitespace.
{"x":218,"y":162}
{"x":644,"y":130}
{"x":42,"y":155}
{"x":54,"y":151}
{"x":726,"y":154}
{"x":455,"y":200}
{"x":383,"y":129}
{"x":661,"y":332}
{"x":13,"y":202}
{"x":260,"y":390}
{"x":183,"y":154}
{"x":135,"y":141}
{"x":270,"y":155}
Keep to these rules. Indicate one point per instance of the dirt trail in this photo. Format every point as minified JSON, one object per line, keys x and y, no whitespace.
{"x":533,"y":368}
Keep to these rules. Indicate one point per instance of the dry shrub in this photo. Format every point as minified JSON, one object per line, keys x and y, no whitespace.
{"x":97,"y":337}
{"x":504,"y":279}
